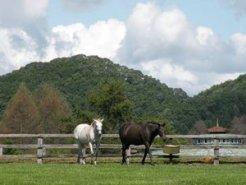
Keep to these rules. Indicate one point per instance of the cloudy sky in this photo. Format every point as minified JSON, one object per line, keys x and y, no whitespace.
{"x":191,"y":44}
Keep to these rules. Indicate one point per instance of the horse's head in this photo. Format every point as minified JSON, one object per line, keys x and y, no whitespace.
{"x":97,"y":125}
{"x":161,"y":131}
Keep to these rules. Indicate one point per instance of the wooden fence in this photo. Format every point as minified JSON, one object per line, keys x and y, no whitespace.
{"x":41,"y":147}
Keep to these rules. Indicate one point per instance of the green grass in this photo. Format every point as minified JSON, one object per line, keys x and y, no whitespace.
{"x":165,"y":174}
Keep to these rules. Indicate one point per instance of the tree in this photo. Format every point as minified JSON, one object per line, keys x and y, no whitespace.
{"x":238,"y":125}
{"x":54,"y":110}
{"x":110,"y":100}
{"x":21,"y":114}
{"x":198,"y":128}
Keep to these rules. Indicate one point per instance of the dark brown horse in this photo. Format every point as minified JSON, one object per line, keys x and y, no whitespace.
{"x":142,"y":134}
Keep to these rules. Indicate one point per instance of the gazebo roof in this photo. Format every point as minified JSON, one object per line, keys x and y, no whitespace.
{"x":217,"y":129}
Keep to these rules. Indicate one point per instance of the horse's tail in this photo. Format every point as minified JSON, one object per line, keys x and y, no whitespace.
{"x":75,"y":133}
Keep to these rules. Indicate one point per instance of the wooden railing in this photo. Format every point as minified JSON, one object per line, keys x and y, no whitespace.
{"x":41,"y":147}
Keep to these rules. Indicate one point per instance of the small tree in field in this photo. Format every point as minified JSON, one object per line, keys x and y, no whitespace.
{"x":198,"y":128}
{"x":21,"y":114}
{"x":53,"y":109}
{"x":110,"y":100}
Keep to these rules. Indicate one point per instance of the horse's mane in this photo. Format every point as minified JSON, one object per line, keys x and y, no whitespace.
{"x":152,"y":122}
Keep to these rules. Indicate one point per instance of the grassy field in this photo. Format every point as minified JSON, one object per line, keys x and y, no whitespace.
{"x":165,"y":174}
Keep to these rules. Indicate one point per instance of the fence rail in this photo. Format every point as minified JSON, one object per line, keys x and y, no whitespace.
{"x":42,"y":147}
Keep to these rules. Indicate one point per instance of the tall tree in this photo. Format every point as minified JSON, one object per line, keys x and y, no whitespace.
{"x":53,"y":109}
{"x":198,"y":128}
{"x":21,"y":114}
{"x":238,"y":125}
{"x":111,"y":101}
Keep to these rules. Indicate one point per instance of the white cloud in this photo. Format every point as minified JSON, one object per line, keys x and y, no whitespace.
{"x":204,"y":36}
{"x":23,"y":30}
{"x":164,"y":69}
{"x":102,"y":38}
{"x":35,"y":9}
{"x":27,"y":15}
{"x":16,"y":49}
{"x":239,"y":6}
{"x":25,"y":36}
{"x":78,"y":5}
{"x":171,"y":74}
{"x":164,"y":44}
{"x":152,"y":33}
{"x":19,"y":13}
{"x":239,"y":41}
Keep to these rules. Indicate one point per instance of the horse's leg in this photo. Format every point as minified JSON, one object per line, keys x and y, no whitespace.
{"x":146,"y":151}
{"x":79,"y":152}
{"x":97,"y":150}
{"x":92,"y":152}
{"x":123,"y":154}
{"x":150,"y":156}
{"x":125,"y":158}
{"x":83,"y":154}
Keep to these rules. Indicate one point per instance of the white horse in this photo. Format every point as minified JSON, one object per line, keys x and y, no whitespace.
{"x":88,"y":135}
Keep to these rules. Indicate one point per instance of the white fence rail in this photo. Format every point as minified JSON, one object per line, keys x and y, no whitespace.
{"x":41,"y":147}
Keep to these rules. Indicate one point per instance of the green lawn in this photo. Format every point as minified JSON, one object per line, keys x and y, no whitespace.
{"x":70,"y":174}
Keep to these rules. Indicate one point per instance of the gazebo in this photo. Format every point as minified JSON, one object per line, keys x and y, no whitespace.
{"x":217,"y":129}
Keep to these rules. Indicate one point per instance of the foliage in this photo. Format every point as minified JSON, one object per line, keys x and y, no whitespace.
{"x":53,"y":109}
{"x":223,"y":102}
{"x":198,"y":128}
{"x":238,"y":125}
{"x":21,"y":114}
{"x":44,"y":112}
{"x":10,"y":151}
{"x":75,"y":76}
{"x":110,"y":100}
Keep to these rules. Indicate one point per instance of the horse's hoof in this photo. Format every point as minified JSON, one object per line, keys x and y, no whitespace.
{"x":82,"y":162}
{"x":95,"y":163}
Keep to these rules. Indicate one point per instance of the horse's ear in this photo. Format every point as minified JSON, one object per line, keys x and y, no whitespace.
{"x":101,"y":120}
{"x":93,"y":123}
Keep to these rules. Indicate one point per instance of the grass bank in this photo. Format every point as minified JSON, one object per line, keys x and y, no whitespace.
{"x":68,"y":174}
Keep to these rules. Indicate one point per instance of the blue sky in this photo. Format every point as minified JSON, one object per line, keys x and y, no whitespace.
{"x":211,"y":13}
{"x":188,"y":44}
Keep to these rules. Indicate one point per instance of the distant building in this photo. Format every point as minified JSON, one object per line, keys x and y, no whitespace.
{"x":218,"y":130}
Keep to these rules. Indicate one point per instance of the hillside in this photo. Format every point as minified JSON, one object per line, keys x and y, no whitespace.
{"x":223,"y":101}
{"x":76,"y":75}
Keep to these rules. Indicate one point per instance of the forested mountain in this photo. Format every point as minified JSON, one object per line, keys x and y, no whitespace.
{"x":75,"y":76}
{"x":224,"y":102}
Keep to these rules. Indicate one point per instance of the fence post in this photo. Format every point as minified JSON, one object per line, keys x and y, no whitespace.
{"x":128,"y":155}
{"x":1,"y":151}
{"x":216,"y":151}
{"x":40,"y":150}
